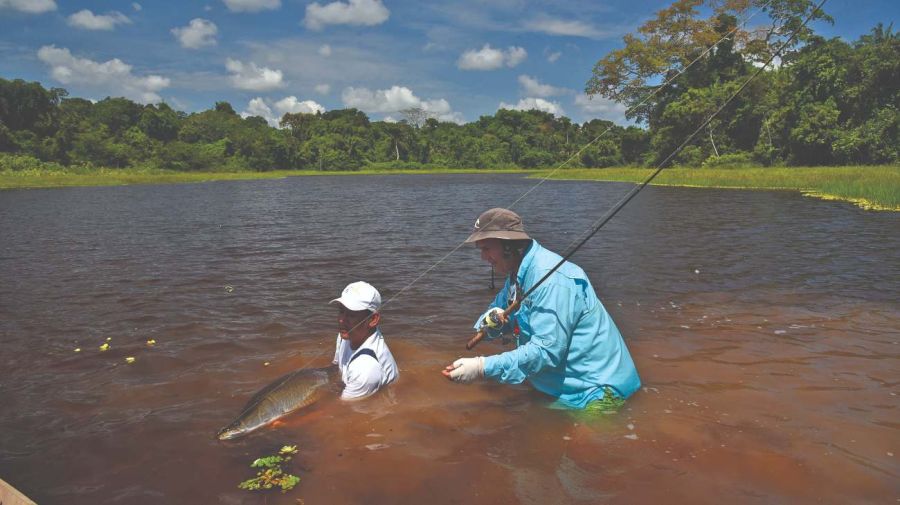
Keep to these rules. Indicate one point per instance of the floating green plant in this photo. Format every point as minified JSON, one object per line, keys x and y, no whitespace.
{"x":271,"y":475}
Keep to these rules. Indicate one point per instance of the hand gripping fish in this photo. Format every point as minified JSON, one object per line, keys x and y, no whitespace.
{"x":283,"y":396}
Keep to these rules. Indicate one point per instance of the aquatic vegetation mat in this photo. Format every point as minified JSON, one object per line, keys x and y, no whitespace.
{"x":271,"y":475}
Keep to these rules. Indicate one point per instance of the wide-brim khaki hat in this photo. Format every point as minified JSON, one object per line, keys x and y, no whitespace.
{"x":498,"y":223}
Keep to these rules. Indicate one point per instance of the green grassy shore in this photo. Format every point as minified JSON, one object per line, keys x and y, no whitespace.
{"x":873,"y":188}
{"x":26,"y":179}
{"x":870,"y":187}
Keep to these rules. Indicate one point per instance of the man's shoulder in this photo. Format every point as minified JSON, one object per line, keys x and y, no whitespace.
{"x":364,"y":361}
{"x":365,"y":351}
{"x":541,"y":260}
{"x":544,"y":260}
{"x":374,"y":353}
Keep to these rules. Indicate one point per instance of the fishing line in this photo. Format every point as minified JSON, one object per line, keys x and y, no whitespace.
{"x":564,"y":163}
{"x":634,"y":191}
{"x":423,"y":274}
{"x":645,"y":100}
{"x":628,"y":197}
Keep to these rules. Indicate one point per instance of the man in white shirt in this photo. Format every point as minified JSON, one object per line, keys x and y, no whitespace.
{"x":361,"y":353}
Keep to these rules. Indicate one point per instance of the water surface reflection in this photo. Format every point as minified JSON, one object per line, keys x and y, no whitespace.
{"x":765,"y":326}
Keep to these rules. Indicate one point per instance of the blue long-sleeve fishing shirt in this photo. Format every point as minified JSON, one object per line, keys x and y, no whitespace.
{"x":567,"y":344}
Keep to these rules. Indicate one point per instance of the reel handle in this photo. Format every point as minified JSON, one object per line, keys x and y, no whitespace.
{"x":501,"y":319}
{"x":474,"y":340}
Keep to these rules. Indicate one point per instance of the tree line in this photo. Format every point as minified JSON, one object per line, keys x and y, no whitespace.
{"x":116,"y":132}
{"x":827,"y":102}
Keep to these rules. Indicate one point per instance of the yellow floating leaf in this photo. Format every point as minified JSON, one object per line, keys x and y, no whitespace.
{"x":108,"y":339}
{"x":129,"y":359}
{"x":104,"y":347}
{"x":78,"y":349}
{"x":266,"y":363}
{"x":151,"y":342}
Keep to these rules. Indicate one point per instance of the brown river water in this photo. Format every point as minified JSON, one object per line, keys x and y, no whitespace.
{"x":765,"y":326}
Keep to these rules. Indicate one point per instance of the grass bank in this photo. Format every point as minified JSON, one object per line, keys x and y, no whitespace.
{"x":26,"y":179}
{"x":875,"y":188}
{"x":872,"y":187}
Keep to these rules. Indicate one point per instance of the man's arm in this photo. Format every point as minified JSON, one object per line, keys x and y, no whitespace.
{"x":337,"y":350}
{"x":550,"y":323}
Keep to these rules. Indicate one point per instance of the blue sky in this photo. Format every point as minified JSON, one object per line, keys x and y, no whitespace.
{"x":457,"y":59}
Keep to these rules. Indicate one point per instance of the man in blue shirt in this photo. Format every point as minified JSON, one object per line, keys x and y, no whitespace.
{"x":567,"y":344}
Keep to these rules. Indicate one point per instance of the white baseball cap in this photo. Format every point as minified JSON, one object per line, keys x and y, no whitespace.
{"x":360,"y":296}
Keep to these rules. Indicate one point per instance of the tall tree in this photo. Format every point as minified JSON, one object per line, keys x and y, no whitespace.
{"x":160,"y":122}
{"x":299,"y":123}
{"x":415,"y":116}
{"x":28,"y":106}
{"x":667,"y":44}
{"x":118,"y":114}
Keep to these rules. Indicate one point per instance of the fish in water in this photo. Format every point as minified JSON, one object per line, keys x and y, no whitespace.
{"x":283,"y":396}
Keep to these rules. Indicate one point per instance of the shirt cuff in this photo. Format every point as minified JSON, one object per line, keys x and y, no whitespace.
{"x":491,"y":366}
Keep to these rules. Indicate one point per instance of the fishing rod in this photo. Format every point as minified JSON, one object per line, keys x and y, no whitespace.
{"x":646,"y":99}
{"x":544,"y":179}
{"x":498,"y":318}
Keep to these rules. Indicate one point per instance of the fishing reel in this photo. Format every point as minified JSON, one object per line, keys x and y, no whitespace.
{"x":494,"y":320}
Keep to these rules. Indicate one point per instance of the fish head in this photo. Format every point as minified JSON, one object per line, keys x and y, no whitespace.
{"x":229,"y":432}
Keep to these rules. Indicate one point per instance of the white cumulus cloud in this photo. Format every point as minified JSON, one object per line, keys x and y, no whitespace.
{"x":322,"y":89}
{"x":553,"y":56}
{"x":353,"y":12}
{"x":515,"y":55}
{"x":396,"y":99}
{"x":198,"y":33}
{"x":488,"y":58}
{"x":113,"y":76}
{"x":252,"y":5}
{"x":293,"y":105}
{"x":136,"y":6}
{"x":251,"y":77}
{"x":601,"y":108}
{"x":325,"y":50}
{"x":272,"y":112}
{"x":29,"y":6}
{"x":383,"y":100}
{"x":87,"y":20}
{"x":571,"y":28}
{"x":536,"y":104}
{"x":532,"y":87}
{"x":258,"y":107}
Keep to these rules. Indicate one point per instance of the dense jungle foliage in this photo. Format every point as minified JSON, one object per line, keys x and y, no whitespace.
{"x":826,"y":102}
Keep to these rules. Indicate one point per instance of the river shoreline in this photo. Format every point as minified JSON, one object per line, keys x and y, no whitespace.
{"x":869,"y":187}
